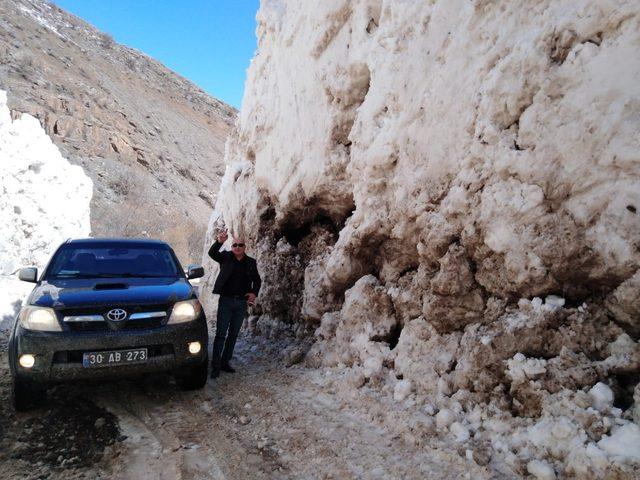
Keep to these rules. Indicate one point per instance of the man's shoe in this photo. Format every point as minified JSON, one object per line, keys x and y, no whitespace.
{"x":215,"y":372}
{"x":227,"y":368}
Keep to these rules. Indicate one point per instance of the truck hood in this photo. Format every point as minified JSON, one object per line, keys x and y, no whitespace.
{"x":74,"y":293}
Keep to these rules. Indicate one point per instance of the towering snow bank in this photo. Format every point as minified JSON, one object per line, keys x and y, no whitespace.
{"x":448,"y":192}
{"x":43,"y":201}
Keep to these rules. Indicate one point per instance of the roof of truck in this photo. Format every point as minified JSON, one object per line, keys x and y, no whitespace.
{"x":138,"y":241}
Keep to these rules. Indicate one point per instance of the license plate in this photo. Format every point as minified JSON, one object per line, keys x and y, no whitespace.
{"x":114,"y":357}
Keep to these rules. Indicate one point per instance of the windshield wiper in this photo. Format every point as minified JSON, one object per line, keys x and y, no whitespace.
{"x":144,"y":275}
{"x":72,"y":275}
{"x":109,"y":275}
{"x":134,"y":275}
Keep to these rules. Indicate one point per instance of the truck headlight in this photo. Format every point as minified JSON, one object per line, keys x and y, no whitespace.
{"x":27,"y":360}
{"x":185,"y":311}
{"x":39,"y":318}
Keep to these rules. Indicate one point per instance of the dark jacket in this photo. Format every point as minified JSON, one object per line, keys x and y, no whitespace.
{"x":225,"y":259}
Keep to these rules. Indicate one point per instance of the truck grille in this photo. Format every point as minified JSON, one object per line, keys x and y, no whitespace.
{"x":103,"y":326}
{"x":94,"y":320}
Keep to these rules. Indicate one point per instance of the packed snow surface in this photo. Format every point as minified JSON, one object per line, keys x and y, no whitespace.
{"x":43,"y":201}
{"x":445,"y":196}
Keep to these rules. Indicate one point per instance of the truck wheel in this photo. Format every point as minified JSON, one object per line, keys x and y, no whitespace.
{"x":193,"y":379}
{"x":26,"y":396}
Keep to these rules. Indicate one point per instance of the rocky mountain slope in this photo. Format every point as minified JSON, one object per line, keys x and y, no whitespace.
{"x":151,"y":141}
{"x":446,"y":195}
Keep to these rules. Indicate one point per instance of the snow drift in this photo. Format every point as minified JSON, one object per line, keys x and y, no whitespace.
{"x":446,"y":194}
{"x":43,"y":201}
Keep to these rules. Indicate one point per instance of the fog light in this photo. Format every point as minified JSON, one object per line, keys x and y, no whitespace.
{"x":27,"y":361}
{"x":194,"y":348}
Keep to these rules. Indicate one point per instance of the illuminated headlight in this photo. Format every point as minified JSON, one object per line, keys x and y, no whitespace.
{"x":185,"y":311}
{"x":27,"y":361}
{"x":194,"y":348}
{"x":39,"y":318}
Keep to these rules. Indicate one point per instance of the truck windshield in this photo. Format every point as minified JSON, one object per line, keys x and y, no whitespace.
{"x":113,"y":261}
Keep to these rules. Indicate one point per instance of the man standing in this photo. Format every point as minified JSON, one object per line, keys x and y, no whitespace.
{"x":238,"y":284}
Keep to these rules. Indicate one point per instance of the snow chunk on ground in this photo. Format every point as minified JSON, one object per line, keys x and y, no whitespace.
{"x":553,"y":302}
{"x":460,"y":431}
{"x":402,"y":390}
{"x":444,"y":418}
{"x":602,"y":396}
{"x":541,"y":470}
{"x":521,"y":368}
{"x":623,"y":443}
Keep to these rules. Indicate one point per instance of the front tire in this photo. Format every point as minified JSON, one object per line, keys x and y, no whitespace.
{"x":27,"y":396}
{"x":195,"y":378}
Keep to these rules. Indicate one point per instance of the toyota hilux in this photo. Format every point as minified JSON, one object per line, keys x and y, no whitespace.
{"x":104,"y":309}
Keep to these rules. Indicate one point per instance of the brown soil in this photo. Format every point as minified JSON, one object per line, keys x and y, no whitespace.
{"x":264,"y":421}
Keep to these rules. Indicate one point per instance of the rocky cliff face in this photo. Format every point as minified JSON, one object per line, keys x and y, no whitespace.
{"x":151,"y":141}
{"x":446,"y":194}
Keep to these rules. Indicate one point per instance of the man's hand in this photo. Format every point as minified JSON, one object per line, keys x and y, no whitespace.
{"x":222,"y":236}
{"x":251,"y":298}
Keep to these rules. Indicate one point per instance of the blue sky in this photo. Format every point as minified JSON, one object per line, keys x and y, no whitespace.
{"x":210,"y":42}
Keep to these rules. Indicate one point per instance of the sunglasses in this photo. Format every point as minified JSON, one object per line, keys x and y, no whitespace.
{"x":235,"y":245}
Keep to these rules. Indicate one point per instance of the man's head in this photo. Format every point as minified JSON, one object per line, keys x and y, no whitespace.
{"x":238,"y":246}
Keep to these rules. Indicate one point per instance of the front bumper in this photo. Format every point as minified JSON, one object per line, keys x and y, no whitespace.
{"x":59,"y":354}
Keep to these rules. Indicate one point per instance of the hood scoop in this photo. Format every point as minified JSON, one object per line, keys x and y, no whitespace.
{"x":110,"y":286}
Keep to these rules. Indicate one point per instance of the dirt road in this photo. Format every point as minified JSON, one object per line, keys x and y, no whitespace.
{"x":264,"y":421}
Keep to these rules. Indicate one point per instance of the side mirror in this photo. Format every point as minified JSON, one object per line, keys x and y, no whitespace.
{"x":28,"y":274}
{"x":195,"y":271}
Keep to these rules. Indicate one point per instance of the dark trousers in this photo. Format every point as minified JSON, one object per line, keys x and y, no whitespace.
{"x":231,"y":313}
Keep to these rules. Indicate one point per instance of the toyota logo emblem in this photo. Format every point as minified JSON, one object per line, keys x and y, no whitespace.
{"x":116,"y":315}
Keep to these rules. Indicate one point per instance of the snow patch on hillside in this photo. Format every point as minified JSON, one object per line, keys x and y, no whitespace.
{"x":43,"y":201}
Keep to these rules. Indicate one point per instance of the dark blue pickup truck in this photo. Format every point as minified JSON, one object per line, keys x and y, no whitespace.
{"x":108,"y":308}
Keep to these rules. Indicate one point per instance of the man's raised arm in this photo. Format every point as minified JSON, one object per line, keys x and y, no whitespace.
{"x":214,"y":251}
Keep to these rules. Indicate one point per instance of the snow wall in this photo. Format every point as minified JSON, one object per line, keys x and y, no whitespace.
{"x":446,"y":195}
{"x":43,"y":201}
